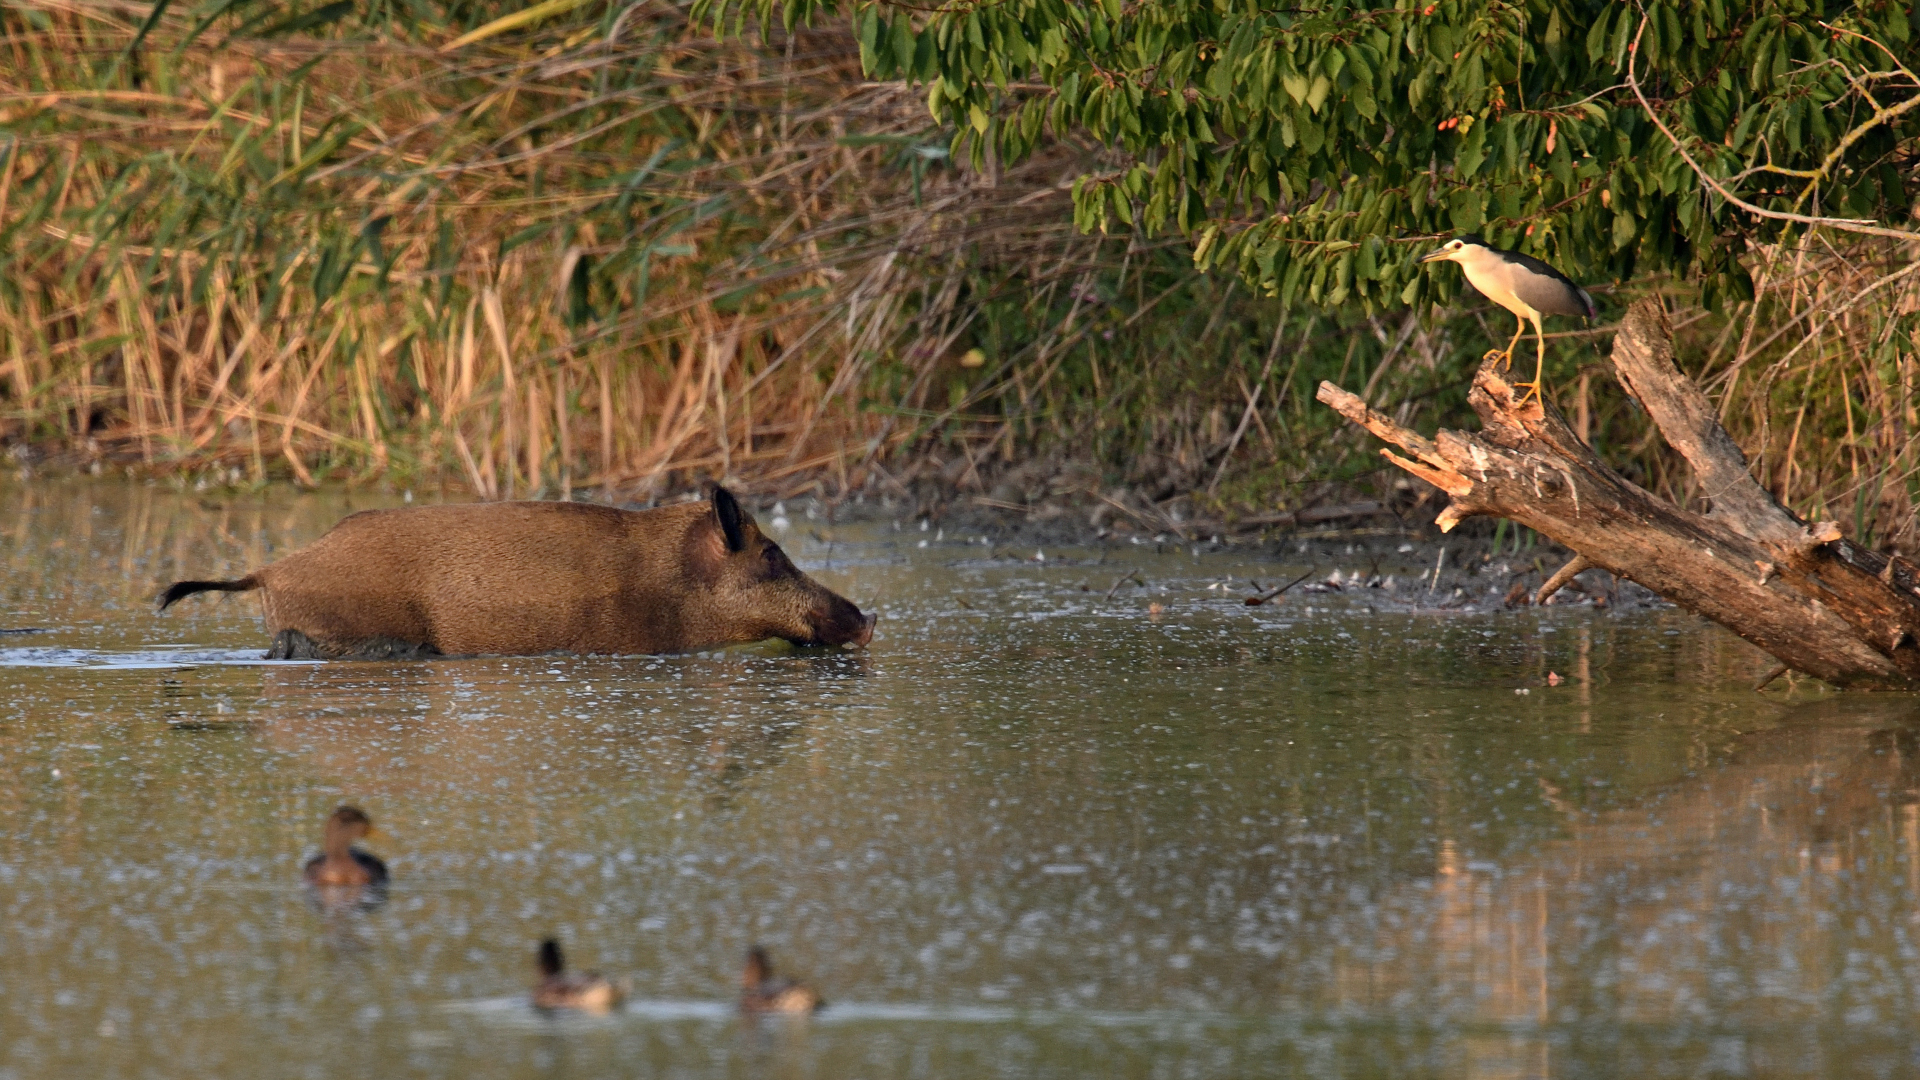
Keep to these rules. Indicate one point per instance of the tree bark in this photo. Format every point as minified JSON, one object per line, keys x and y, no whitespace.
{"x":1817,"y":602}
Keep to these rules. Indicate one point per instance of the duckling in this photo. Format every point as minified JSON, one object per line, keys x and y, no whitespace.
{"x":587,"y":991}
{"x":339,"y":862}
{"x":761,"y":992}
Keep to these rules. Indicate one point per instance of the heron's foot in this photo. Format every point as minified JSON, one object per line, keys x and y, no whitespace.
{"x":1505,"y":356}
{"x":1532,"y":392}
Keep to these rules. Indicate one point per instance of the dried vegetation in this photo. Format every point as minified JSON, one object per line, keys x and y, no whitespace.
{"x":601,"y":248}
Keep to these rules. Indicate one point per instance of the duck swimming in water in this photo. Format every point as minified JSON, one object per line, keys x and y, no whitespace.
{"x":339,"y":862}
{"x":761,"y":992}
{"x":588,"y":991}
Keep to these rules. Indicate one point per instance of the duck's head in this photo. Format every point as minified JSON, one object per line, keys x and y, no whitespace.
{"x":758,"y":970}
{"x":549,"y":958}
{"x":352,"y":823}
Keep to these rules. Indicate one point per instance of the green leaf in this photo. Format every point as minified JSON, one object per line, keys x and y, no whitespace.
{"x":902,"y":34}
{"x":1357,"y":64}
{"x":524,"y":17}
{"x":146,"y":26}
{"x":315,"y":19}
{"x":1623,"y":31}
{"x":1368,"y":265}
{"x":1317,"y":92}
{"x":1473,"y":151}
{"x":869,"y":36}
{"x":1466,"y":211}
{"x":319,"y":151}
{"x":1597,"y":34}
{"x":926,"y":59}
{"x":525,"y":236}
{"x":1364,"y":104}
{"x":1623,"y":229}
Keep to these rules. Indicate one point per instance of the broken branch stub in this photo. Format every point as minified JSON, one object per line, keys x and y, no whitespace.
{"x":1816,"y":602}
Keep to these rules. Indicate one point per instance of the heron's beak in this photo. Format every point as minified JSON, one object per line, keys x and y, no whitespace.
{"x":1434,"y":256}
{"x":374,"y":832}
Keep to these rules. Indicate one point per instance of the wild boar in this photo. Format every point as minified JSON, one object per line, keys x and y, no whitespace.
{"x":536,"y":577}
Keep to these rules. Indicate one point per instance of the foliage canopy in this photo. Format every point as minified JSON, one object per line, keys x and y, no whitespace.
{"x":1319,"y":148}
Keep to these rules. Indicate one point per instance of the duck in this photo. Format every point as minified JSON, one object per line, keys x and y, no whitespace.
{"x":588,"y":991}
{"x":762,"y":992}
{"x":339,"y":862}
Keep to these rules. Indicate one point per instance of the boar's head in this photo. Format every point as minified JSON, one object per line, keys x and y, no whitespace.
{"x":756,"y":592}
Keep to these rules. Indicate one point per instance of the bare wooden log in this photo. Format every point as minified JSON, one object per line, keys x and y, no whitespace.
{"x":1643,"y":358}
{"x":1800,"y":592}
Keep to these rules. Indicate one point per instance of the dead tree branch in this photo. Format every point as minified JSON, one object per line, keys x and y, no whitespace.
{"x":1801,"y":592}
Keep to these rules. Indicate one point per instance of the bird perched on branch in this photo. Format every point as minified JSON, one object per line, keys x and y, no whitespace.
{"x":1523,"y":285}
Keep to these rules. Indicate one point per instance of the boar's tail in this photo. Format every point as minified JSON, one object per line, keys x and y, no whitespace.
{"x":179,"y":590}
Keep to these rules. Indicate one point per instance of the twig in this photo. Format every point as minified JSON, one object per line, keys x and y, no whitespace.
{"x":1316,"y":515}
{"x":1253,"y":406}
{"x":1560,"y":578}
{"x":1852,"y":225}
{"x":1256,"y":601}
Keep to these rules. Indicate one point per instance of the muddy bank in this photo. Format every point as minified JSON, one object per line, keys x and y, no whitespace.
{"x":1366,"y":553}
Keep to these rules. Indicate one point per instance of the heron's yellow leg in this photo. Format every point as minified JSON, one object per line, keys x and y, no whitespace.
{"x":1539,"y":366}
{"x":1505,"y":356}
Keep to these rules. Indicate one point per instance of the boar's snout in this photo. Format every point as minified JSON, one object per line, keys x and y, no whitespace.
{"x":838,"y":622}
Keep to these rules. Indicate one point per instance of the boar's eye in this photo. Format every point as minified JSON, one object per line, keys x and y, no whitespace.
{"x":773,"y":561}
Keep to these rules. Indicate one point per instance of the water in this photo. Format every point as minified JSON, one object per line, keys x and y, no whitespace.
{"x":1034,"y":831}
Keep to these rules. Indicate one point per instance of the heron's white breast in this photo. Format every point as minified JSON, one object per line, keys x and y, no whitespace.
{"x":1493,"y":277}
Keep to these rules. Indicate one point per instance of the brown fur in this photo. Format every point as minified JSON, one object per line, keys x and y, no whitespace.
{"x":535,"y":577}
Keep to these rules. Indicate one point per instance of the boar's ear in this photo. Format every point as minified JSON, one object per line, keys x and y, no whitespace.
{"x":727,"y":509}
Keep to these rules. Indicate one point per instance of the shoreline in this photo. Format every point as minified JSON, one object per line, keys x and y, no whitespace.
{"x":1359,"y":546}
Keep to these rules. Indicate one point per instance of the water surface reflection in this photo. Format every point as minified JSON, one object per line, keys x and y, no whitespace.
{"x":1032,"y":831}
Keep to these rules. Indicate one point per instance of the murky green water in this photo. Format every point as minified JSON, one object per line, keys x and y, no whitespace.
{"x":1034,"y":831}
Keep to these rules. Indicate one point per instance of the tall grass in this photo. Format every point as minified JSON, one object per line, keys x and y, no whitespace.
{"x":600,"y":253}
{"x":1817,"y":376}
{"x":603,"y":248}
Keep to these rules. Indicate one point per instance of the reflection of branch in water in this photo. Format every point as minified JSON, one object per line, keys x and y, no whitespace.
{"x":1551,"y":794}
{"x":1741,"y":891}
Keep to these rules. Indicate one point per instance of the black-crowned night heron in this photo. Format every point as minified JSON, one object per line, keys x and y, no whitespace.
{"x":1520,"y":283}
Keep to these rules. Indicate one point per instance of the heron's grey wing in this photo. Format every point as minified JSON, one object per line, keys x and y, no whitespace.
{"x":1545,"y":289}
